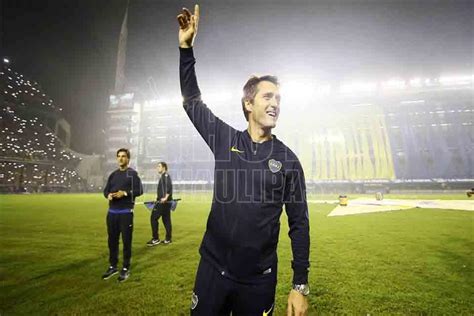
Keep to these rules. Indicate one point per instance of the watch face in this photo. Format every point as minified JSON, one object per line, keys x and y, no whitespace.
{"x":302,"y":288}
{"x":305,"y":289}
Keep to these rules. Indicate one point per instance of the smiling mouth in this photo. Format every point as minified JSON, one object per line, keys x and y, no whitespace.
{"x":272,"y":114}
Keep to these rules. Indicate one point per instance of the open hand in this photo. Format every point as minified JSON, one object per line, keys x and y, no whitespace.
{"x":297,"y":304}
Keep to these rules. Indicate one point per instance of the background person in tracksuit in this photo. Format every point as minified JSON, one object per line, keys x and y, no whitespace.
{"x":255,"y":175}
{"x":123,"y":186}
{"x":164,"y":195}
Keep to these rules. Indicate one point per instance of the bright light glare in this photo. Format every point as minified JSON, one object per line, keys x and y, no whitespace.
{"x":355,"y":87}
{"x":394,"y":84}
{"x":455,"y":80}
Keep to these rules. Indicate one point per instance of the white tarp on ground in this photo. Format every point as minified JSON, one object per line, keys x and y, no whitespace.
{"x":362,"y":206}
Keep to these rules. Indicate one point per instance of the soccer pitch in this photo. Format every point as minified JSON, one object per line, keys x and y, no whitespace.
{"x":54,"y":251}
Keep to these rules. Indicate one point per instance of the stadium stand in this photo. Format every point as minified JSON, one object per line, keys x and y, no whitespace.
{"x":407,"y":134}
{"x":32,"y":156}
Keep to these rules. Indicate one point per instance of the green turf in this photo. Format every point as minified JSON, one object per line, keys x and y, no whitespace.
{"x":53,"y":252}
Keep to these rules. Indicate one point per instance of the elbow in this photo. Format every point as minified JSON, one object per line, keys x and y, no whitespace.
{"x":191,"y":99}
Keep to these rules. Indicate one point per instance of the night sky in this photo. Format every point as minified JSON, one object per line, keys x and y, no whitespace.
{"x":70,"y":47}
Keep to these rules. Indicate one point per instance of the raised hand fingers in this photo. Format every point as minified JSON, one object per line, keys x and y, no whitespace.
{"x":196,"y":15}
{"x":187,"y":14}
{"x":183,"y":23}
{"x":188,"y":24}
{"x":189,"y":17}
{"x":196,"y":11}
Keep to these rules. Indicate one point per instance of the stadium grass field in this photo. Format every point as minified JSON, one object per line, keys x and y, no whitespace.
{"x":54,"y":250}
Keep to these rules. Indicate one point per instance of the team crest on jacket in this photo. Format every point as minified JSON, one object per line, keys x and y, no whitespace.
{"x":274,"y":165}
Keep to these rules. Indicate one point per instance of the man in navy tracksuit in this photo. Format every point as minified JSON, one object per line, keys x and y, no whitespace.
{"x":255,"y":175}
{"x":123,"y":186}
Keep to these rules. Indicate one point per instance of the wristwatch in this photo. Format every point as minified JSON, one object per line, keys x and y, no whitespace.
{"x":301,"y":288}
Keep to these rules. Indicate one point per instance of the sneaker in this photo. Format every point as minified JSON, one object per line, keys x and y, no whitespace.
{"x":124,"y":274}
{"x":167,"y":242}
{"x":153,"y":242}
{"x":110,"y":272}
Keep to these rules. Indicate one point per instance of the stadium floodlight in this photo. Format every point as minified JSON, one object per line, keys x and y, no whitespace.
{"x":456,"y":80}
{"x":361,"y":104}
{"x":324,"y":89}
{"x":393,"y":84}
{"x":358,"y":87}
{"x":6,"y":60}
{"x":412,"y":102}
{"x":429,"y":82}
{"x":416,"y":82}
{"x":295,"y":92}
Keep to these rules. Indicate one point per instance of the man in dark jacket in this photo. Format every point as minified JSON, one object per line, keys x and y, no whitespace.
{"x":164,"y":195}
{"x":255,"y":176}
{"x":123,"y":186}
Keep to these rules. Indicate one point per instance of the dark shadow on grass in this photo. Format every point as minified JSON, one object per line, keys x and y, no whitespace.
{"x":73,"y":266}
{"x":170,"y":254}
{"x":28,"y":288}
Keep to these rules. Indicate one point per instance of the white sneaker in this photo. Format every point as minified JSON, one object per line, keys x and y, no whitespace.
{"x":153,"y":242}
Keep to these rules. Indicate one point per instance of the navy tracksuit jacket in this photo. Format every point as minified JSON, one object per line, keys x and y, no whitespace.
{"x":252,"y":183}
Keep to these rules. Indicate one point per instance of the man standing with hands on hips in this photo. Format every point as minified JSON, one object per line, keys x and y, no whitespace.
{"x":255,"y":176}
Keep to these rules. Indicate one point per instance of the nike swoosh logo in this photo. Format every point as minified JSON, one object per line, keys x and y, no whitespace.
{"x":265,"y":313}
{"x":234,"y":149}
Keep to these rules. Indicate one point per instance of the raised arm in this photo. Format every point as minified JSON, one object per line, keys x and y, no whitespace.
{"x":213,"y":130}
{"x":188,"y":25}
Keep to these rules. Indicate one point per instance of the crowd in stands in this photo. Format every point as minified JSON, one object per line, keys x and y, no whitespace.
{"x":32,"y":157}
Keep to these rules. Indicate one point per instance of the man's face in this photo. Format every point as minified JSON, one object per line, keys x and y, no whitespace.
{"x":160,"y":168}
{"x":265,"y":108}
{"x":122,"y":159}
